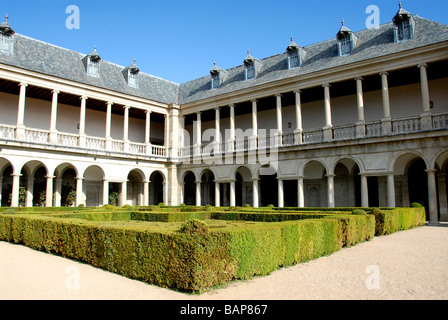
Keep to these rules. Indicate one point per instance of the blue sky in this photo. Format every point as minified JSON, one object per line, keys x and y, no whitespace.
{"x":179,"y":40}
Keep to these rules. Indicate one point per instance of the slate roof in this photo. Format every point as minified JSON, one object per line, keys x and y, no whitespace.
{"x":48,"y":59}
{"x":372,"y":43}
{"x":35,"y":55}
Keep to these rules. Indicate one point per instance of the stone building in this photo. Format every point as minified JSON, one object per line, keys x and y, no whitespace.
{"x":357,"y":120}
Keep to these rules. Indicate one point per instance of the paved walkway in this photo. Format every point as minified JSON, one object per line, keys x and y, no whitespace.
{"x":406,"y":265}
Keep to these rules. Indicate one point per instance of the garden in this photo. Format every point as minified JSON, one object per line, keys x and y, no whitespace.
{"x":193,"y":249}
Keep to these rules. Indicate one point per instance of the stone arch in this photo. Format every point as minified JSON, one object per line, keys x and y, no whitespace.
{"x":66,"y":174}
{"x":347,"y":182}
{"x":6,"y":180}
{"x":93,"y":176}
{"x":156,"y":188}
{"x":207,"y":187}
{"x":189,"y":189}
{"x":243,"y":186}
{"x":268,"y":185}
{"x":315,"y":183}
{"x":135,"y":187}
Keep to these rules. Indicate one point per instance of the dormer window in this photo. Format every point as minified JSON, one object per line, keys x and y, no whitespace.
{"x":250,"y":71}
{"x":131,"y":75}
{"x":92,"y":64}
{"x":6,"y":37}
{"x":218,"y":76}
{"x":251,"y":67}
{"x":404,"y":25}
{"x":295,"y":53}
{"x":346,"y":41}
{"x":216,"y":82}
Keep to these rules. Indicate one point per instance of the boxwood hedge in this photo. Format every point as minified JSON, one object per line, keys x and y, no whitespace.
{"x":159,"y":248}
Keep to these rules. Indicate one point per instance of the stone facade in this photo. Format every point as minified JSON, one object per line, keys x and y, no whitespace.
{"x":369,"y":128}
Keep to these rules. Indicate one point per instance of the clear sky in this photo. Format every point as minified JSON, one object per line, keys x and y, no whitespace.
{"x":179,"y":40}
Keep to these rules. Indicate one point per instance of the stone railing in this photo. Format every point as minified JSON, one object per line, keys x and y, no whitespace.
{"x":340,"y":133}
{"x":74,"y":141}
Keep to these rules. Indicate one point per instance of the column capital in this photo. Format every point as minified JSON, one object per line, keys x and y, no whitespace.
{"x":14,"y":175}
{"x":109,"y":103}
{"x":198,"y":113}
{"x":359,"y":78}
{"x":326,"y":85}
{"x":127,"y":107}
{"x":278,"y":95}
{"x":55,"y":91}
{"x":23,"y":84}
{"x":431,"y":171}
{"x":232,"y":105}
{"x":384,"y":73}
{"x":297,"y":91}
{"x":254,"y":100}
{"x":422,"y":65}
{"x":50,"y":177}
{"x":217,"y":108}
{"x":148,"y":111}
{"x":83,"y":97}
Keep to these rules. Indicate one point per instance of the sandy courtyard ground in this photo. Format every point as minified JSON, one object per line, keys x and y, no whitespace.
{"x":406,"y":265}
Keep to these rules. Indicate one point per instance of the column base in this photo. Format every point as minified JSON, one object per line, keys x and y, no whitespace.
{"x":328,"y":133}
{"x":298,"y":139}
{"x":360,"y":129}
{"x":426,"y":121}
{"x":386,"y":126}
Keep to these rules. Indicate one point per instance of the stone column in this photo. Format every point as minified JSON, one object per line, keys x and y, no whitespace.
{"x":29,"y":193}
{"x":53,"y":138}
{"x":79,"y":192}
{"x":390,"y":190}
{"x":15,"y":190}
{"x":126,"y":129}
{"x":360,"y":125}
{"x":49,"y":192}
{"x":232,"y":194}
{"x":364,"y":192}
{"x":231,"y":142}
{"x":426,"y":117}
{"x":328,"y":129}
{"x":299,"y":126}
{"x":105,"y":192}
{"x":218,"y":130}
{"x":198,"y":133}
{"x":281,"y":195}
{"x":330,"y":190}
{"x":300,"y":193}
{"x":108,"y":126}
{"x":198,"y":193}
{"x":279,"y":120}
{"x":146,"y":192}
{"x":432,"y":197}
{"x":1,"y":190}
{"x":20,"y":129}
{"x":256,"y":191}
{"x":148,"y":133}
{"x":124,"y":193}
{"x":82,"y":122}
{"x":253,"y":139}
{"x":386,"y":121}
{"x":217,"y":194}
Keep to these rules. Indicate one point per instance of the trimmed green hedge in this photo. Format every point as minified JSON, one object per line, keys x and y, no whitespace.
{"x":194,"y":257}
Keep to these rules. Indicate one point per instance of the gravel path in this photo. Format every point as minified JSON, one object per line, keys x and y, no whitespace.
{"x":406,"y":265}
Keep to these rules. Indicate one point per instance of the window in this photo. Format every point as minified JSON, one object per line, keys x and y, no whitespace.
{"x":294,"y":61}
{"x":133,"y":79}
{"x":7,"y":43}
{"x":250,"y":71}
{"x":216,"y":81}
{"x":346,"y":46}
{"x":404,"y":30}
{"x":93,"y":68}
